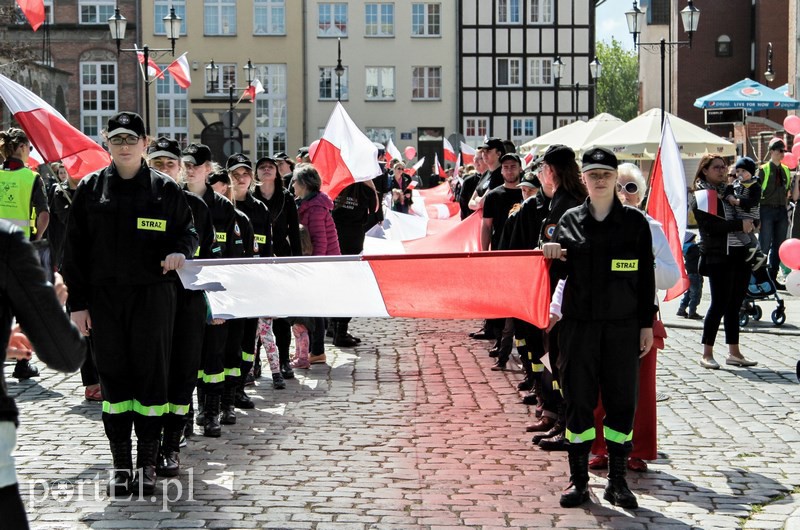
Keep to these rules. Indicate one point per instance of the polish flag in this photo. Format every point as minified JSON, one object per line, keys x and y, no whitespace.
{"x":467,"y":154}
{"x":418,"y":165}
{"x":33,"y":11}
{"x":50,"y":133}
{"x":392,"y":152}
{"x":667,"y":202}
{"x":376,"y":286}
{"x":255,"y":88}
{"x":437,"y":169}
{"x":179,"y":70}
{"x":449,"y":152}
{"x":438,"y":194}
{"x":706,"y":201}
{"x":152,"y":68}
{"x":344,"y":154}
{"x":529,"y":158}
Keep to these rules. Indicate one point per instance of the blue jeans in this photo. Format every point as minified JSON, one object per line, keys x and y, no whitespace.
{"x":691,"y":298}
{"x":774,"y":225}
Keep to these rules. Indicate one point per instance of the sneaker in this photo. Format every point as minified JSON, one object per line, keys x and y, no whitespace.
{"x":694,"y":316}
{"x":682,"y":312}
{"x":25,"y":369}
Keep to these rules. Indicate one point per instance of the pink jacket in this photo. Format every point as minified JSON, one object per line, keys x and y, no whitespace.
{"x":315,"y":215}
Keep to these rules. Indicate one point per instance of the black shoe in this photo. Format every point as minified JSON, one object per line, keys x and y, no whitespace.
{"x":530,"y":399}
{"x":574,"y":495}
{"x":694,"y":316}
{"x":211,"y":425}
{"x":242,"y":401}
{"x":144,"y":480}
{"x":494,"y":353}
{"x":499,"y":366}
{"x":578,"y":490}
{"x":482,"y":335}
{"x":286,"y":371}
{"x":228,"y":415}
{"x":343,"y":340}
{"x":618,"y":494}
{"x":525,"y":385}
{"x":24,"y":369}
{"x":169,"y":463}
{"x":277,"y":381}
{"x":682,"y":313}
{"x":120,"y":483}
{"x":556,"y":443}
{"x":353,"y":337}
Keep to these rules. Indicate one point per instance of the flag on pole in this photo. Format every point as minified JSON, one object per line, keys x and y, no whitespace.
{"x":457,"y":169}
{"x":667,"y":202}
{"x":392,"y":152}
{"x":418,"y":165}
{"x":437,"y":169}
{"x":467,"y":154}
{"x":50,"y":133}
{"x":449,"y":152}
{"x":33,"y":11}
{"x":179,"y":70}
{"x":152,"y":67}
{"x":255,"y":88}
{"x":344,"y":154}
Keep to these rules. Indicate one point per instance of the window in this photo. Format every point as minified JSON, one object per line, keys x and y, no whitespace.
{"x":540,"y":72}
{"x":426,"y":20}
{"x":98,"y":96}
{"x":379,"y":20}
{"x":172,"y":108}
{"x":380,"y":83}
{"x":509,"y":72}
{"x":161,"y":9}
{"x":219,"y":17}
{"x":332,"y":20}
{"x":271,"y":125}
{"x":328,"y":83}
{"x":522,"y":130}
{"x":723,"y":46}
{"x":426,"y":82}
{"x":508,"y":12}
{"x":541,"y":11}
{"x":96,"y":11}
{"x":227,"y":77}
{"x":269,"y":17}
{"x":382,"y":135}
{"x":564,"y":121}
{"x":475,"y":130}
{"x":658,"y":12}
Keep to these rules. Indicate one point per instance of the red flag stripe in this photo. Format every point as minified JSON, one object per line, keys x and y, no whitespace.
{"x":33,"y":11}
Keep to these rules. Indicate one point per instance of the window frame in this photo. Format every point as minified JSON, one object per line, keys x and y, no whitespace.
{"x":218,"y":6}
{"x":537,"y":8}
{"x":523,"y":137}
{"x":380,"y":84}
{"x":509,"y":83}
{"x":379,"y":34}
{"x":98,"y":87}
{"x":477,"y":137}
{"x":222,"y":88}
{"x":269,"y":7}
{"x":539,"y":61}
{"x":508,"y":10}
{"x":329,"y":71}
{"x":180,"y":10}
{"x":173,"y":93}
{"x":96,"y":4}
{"x":332,"y":14}
{"x":427,"y":86}
{"x":274,"y":78}
{"x":426,"y":23}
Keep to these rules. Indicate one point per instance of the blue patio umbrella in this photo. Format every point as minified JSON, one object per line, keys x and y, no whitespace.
{"x":747,"y":94}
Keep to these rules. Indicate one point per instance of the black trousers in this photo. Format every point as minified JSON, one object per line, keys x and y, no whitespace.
{"x":187,"y":347}
{"x":88,"y":369}
{"x":552,"y":391}
{"x":728,"y":284}
{"x":248,"y":345}
{"x":211,"y":376}
{"x":283,"y":337}
{"x":600,"y":358}
{"x":132,"y":332}
{"x":233,"y":351}
{"x":318,"y":335}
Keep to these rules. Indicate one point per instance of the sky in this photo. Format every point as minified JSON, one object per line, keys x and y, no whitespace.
{"x":611,"y":22}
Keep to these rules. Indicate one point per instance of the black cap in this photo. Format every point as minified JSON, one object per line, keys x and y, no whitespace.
{"x":746,"y":163}
{"x":280,"y":156}
{"x":599,"y":158}
{"x":238,"y":160}
{"x":166,"y":147}
{"x":776,"y":144}
{"x":265,"y":159}
{"x":125,"y":123}
{"x":530,"y":181}
{"x":558,"y":154}
{"x":197,"y":154}
{"x":511,"y":156}
{"x":303,"y":151}
{"x":494,"y":143}
{"x":219,"y":176}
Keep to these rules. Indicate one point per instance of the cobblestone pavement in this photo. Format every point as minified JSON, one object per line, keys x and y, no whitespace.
{"x":412,"y":430}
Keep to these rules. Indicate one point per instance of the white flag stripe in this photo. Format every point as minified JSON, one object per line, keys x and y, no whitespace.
{"x":358,"y":152}
{"x":674,"y":177}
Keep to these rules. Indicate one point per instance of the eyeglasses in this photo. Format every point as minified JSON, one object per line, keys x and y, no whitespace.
{"x":629,"y":187}
{"x":119,"y":140}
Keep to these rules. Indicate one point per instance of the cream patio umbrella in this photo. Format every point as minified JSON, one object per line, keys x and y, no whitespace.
{"x":639,"y":138}
{"x":575,"y":135}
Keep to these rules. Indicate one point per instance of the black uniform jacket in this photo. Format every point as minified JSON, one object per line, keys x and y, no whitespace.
{"x":223,"y":218}
{"x":26,"y":295}
{"x":208,"y":248}
{"x":261,"y":221}
{"x":285,"y":223}
{"x":610,"y":268}
{"x":120,"y":231}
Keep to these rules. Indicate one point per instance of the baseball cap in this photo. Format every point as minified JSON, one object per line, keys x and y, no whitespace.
{"x":530,"y":181}
{"x":238,"y":160}
{"x":777,"y":143}
{"x":219,"y":176}
{"x":281,"y":156}
{"x":511,"y":156}
{"x":125,"y":123}
{"x":165,"y":147}
{"x":557,"y":154}
{"x":599,"y":158}
{"x":494,"y":143}
{"x":197,"y":154}
{"x":265,"y":159}
{"x":302,"y":152}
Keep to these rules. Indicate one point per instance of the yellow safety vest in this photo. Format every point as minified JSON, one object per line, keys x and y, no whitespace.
{"x":766,"y":168}
{"x":16,"y":189}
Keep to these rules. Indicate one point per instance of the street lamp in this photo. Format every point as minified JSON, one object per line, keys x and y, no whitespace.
{"x":212,"y":79}
{"x":690,"y":16}
{"x":769,"y":75}
{"x":339,"y":72}
{"x":595,"y":71}
{"x":172,"y":25}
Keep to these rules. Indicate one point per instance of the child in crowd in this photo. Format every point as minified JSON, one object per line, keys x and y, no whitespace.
{"x":744,"y":196}
{"x":691,"y":259}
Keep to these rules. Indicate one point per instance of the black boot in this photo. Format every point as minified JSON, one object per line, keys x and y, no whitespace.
{"x":578,"y":490}
{"x":146,"y":456}
{"x":286,"y":370}
{"x":240,"y":399}
{"x":617,"y":491}
{"x":554,"y":443}
{"x":228,"y":410}
{"x":120,"y":482}
{"x":169,"y":462}
{"x":201,"y":402}
{"x":211,"y":426}
{"x":341,"y":338}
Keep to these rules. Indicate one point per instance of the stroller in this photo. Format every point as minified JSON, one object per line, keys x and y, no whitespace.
{"x":761,"y":287}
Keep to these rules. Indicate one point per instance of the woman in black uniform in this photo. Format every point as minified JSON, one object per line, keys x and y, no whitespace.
{"x":607,"y":322}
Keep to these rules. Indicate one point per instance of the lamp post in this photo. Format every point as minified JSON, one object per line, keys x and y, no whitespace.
{"x":769,"y":75}
{"x":172,"y":25}
{"x":690,"y":16}
{"x":339,"y":72}
{"x":212,"y":78}
{"x":595,"y":71}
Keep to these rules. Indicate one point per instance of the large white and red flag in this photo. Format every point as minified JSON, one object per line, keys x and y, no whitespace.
{"x":344,"y":154}
{"x":376,"y":286}
{"x":50,"y":133}
{"x":152,"y":67}
{"x":255,"y":88}
{"x":392,"y":152}
{"x":467,"y":154}
{"x":33,"y":11}
{"x":449,"y":152}
{"x":180,"y":72}
{"x":667,"y":202}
